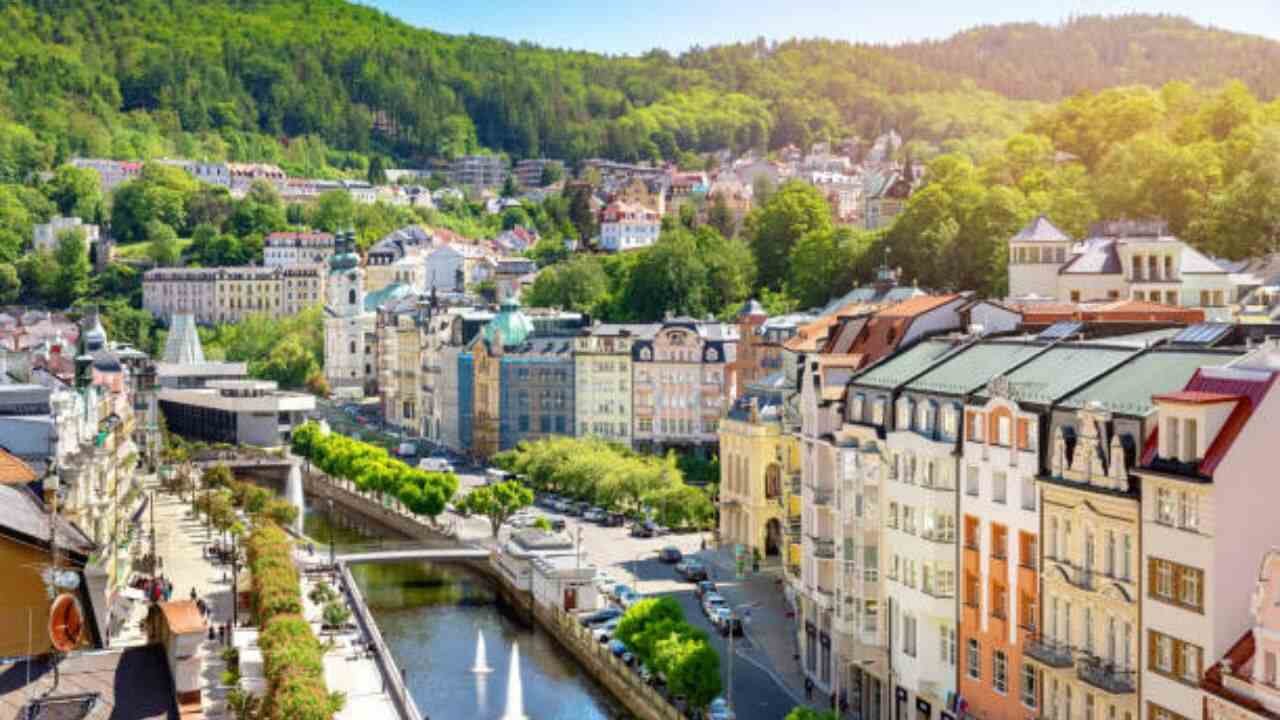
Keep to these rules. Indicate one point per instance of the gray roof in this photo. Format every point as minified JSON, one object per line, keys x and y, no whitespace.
{"x":901,"y":367}
{"x":633,"y":329}
{"x":1195,"y":262}
{"x":1129,"y":388}
{"x":1062,"y":369}
{"x":1098,"y":257}
{"x":130,"y":684}
{"x":1040,"y":230}
{"x":972,"y":367}
{"x":22,"y":512}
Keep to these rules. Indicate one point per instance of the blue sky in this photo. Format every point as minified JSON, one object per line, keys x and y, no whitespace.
{"x":633,"y":27}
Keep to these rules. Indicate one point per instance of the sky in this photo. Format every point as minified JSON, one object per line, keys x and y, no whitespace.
{"x":676,"y":25}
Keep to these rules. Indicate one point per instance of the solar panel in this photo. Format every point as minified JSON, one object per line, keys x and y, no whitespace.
{"x":1202,"y":334}
{"x":1060,"y":330}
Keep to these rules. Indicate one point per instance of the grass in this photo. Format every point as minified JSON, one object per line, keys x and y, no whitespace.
{"x":138,"y":251}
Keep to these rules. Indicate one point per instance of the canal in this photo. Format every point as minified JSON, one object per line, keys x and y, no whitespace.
{"x":430,"y":615}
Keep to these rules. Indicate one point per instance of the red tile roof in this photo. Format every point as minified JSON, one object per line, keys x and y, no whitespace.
{"x":916,"y":306}
{"x":183,"y":616}
{"x":885,"y":330}
{"x":1196,"y":397}
{"x":1249,"y":391}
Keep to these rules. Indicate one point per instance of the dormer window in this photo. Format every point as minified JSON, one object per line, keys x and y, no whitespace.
{"x":904,"y":414}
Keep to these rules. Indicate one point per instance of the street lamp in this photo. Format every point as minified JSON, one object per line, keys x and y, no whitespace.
{"x":742,"y":619}
{"x":330,"y":523}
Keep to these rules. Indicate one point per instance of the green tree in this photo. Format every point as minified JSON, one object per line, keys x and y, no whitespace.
{"x":579,"y":285}
{"x":774,"y":228}
{"x":163,"y":244}
{"x":377,"y":171}
{"x":72,"y":268}
{"x":804,"y":712}
{"x":509,"y":186}
{"x":77,"y":192}
{"x":551,"y":174}
{"x":10,"y":284}
{"x":497,"y":502}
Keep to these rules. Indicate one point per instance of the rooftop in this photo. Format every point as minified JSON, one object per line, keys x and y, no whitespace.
{"x":132,"y":684}
{"x":1062,"y":368}
{"x":1129,"y":389}
{"x":14,"y":471}
{"x":897,"y":369}
{"x":972,"y":367}
{"x":22,"y":513}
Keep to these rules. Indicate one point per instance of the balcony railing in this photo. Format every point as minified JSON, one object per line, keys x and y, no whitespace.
{"x":1048,"y":651}
{"x":937,"y":590}
{"x":793,"y":481}
{"x":794,"y":569}
{"x":825,"y":549}
{"x":1106,"y":676}
{"x":793,"y":526}
{"x":819,"y":497}
{"x":939,"y":536}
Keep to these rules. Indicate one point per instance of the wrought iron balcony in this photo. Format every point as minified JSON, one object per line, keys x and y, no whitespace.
{"x":820,"y":497}
{"x":793,"y":527}
{"x":1106,"y":676}
{"x":824,"y":548}
{"x":939,"y":536}
{"x":793,"y":480}
{"x":1048,"y":651}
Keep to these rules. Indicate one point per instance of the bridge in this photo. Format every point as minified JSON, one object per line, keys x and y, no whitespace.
{"x":395,"y":551}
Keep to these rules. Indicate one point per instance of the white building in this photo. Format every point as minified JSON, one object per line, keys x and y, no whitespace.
{"x":628,"y":227}
{"x":523,"y":549}
{"x":297,"y":248}
{"x":45,"y":235}
{"x":238,"y":412}
{"x":348,"y":327}
{"x":564,"y":582}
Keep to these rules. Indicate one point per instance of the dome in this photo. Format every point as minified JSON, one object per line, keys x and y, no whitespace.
{"x":342,"y":262}
{"x":390,"y":293}
{"x":515,"y":326}
{"x":95,"y":338}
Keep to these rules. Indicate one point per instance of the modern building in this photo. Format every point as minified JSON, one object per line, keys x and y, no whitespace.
{"x":528,"y":172}
{"x":231,"y":294}
{"x":683,"y":384}
{"x":297,"y":248}
{"x":479,"y":171}
{"x":602,"y":376}
{"x":628,"y":227}
{"x":237,"y":412}
{"x":1201,"y":496}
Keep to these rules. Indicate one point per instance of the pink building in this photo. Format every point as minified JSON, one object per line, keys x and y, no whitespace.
{"x":683,"y":382}
{"x":1243,"y":684}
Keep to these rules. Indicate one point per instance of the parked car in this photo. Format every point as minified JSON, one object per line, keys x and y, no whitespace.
{"x":604,"y":632}
{"x":593,"y":515}
{"x":617,"y":647}
{"x":642,"y":530}
{"x":719,"y":615}
{"x":703,"y":587}
{"x":692,"y":570}
{"x":719,"y":710}
{"x":619,"y":590}
{"x":600,"y":616}
{"x":711,"y":601}
{"x":629,"y":599}
{"x":614,"y":519}
{"x":670,"y":554}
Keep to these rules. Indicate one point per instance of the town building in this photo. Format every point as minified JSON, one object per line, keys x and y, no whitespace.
{"x":45,"y":236}
{"x":759,"y":470}
{"x":885,"y":195}
{"x":398,"y":354}
{"x":231,"y":294}
{"x":683,"y":383}
{"x":456,"y":266}
{"x":297,"y":248}
{"x":244,"y":175}
{"x":449,"y":377}
{"x":528,"y":172}
{"x":111,"y":173}
{"x":602,"y":376}
{"x":1200,"y":496}
{"x":237,"y":412}
{"x":348,"y":325}
{"x":511,"y":275}
{"x":524,"y":379}
{"x":481,"y":171}
{"x":1242,"y":684}
{"x":398,"y":258}
{"x":1120,"y":260}
{"x":761,"y":339}
{"x":628,"y":227}
{"x":843,"y":193}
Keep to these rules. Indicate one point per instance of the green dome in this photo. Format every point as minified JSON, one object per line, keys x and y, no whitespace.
{"x":342,"y":262}
{"x":515,"y":326}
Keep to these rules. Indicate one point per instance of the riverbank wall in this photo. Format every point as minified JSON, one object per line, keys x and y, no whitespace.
{"x":393,"y":678}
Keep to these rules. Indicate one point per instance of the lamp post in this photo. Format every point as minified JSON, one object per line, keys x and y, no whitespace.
{"x":331,"y":521}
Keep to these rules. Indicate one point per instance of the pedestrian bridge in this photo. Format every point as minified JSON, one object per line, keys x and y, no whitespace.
{"x":398,"y":551}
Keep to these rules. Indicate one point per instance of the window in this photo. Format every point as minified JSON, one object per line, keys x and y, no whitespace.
{"x":947,"y":649}
{"x":1028,"y":686}
{"x":1176,"y":584}
{"x":1004,"y":431}
{"x":999,"y":487}
{"x":1052,"y":550}
{"x":908,"y":519}
{"x":904,"y":414}
{"x":1164,"y":506}
{"x":1189,"y":439}
{"x":909,"y":635}
{"x":973,"y":659}
{"x":1109,"y":560}
{"x":1269,"y":669}
{"x":1175,"y":658}
{"x":1029,"y":493}
{"x":1188,"y":511}
{"x":971,"y":481}
{"x":1156,"y":712}
{"x":999,"y":672}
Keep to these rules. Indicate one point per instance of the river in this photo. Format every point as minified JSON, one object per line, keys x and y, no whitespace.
{"x":429,"y":615}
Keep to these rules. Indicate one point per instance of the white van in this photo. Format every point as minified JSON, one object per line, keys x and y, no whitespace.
{"x":435,"y":464}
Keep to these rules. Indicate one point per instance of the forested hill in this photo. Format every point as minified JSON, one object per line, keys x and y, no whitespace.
{"x":317,"y":85}
{"x":1032,"y":61}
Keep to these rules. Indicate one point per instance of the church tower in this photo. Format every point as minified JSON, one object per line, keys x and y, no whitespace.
{"x":344,"y":288}
{"x":347,"y":326}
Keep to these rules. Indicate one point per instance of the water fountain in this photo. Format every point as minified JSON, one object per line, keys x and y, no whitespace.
{"x":515,"y":688}
{"x":293,"y":491}
{"x":482,"y":665}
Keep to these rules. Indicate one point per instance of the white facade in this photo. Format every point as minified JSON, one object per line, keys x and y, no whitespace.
{"x":292,"y":248}
{"x":628,"y":227}
{"x":348,"y":328}
{"x":564,"y":582}
{"x":45,"y":235}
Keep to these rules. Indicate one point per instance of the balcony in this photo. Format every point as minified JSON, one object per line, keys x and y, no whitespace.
{"x":937,"y":590}
{"x":820,"y":498}
{"x":1106,"y":676}
{"x":1050,"y":652}
{"x":793,"y":527}
{"x":939,"y":536}
{"x":793,"y":482}
{"x":823,"y":548}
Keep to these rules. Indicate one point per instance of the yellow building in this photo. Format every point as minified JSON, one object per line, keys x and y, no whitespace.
{"x":230,"y":294}
{"x":759,"y":477}
{"x":1087,"y":649}
{"x":602,"y":376}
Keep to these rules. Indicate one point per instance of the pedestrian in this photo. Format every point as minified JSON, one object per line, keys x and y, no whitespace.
{"x":704,"y":544}
{"x":222,"y":634}
{"x":808,"y":688}
{"x":833,"y":702}
{"x":193,"y":592}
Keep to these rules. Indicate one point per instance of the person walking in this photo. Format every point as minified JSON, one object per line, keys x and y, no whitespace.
{"x":808,"y":688}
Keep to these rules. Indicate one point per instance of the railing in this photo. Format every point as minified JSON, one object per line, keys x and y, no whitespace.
{"x":820,"y":497}
{"x":1048,"y":651}
{"x":939,"y":536}
{"x":1106,"y":676}
{"x":938,"y":487}
{"x":393,"y":680}
{"x":933,"y":589}
{"x":793,"y":479}
{"x":793,"y":526}
{"x":823,"y":548}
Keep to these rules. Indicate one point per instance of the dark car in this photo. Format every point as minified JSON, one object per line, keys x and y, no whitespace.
{"x":600,"y":616}
{"x":703,"y":587}
{"x":731,"y":624}
{"x":614,"y":519}
{"x":670,"y":554}
{"x":642,"y":530}
{"x":557,"y":524}
{"x":692,"y":570}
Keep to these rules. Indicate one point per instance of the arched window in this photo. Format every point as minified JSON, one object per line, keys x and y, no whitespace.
{"x":353,"y":347}
{"x":351,"y":296}
{"x":773,"y":481}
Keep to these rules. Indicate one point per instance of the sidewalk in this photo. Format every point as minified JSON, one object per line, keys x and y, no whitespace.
{"x":771,"y":633}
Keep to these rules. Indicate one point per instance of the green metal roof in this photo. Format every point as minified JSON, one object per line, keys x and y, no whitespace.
{"x":1062,"y":368}
{"x":394,"y":291}
{"x":899,"y":368}
{"x":514,"y":325}
{"x":1129,"y":388}
{"x":971,"y":368}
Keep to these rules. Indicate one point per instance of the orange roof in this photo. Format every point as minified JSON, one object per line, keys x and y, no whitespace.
{"x":810,"y":338}
{"x":915,"y":306}
{"x":183,"y":616}
{"x":13,"y":471}
{"x":1196,"y":397}
{"x":1108,"y":311}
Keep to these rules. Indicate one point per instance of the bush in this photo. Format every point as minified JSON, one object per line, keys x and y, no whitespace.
{"x":336,"y":614}
{"x":655,"y":631}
